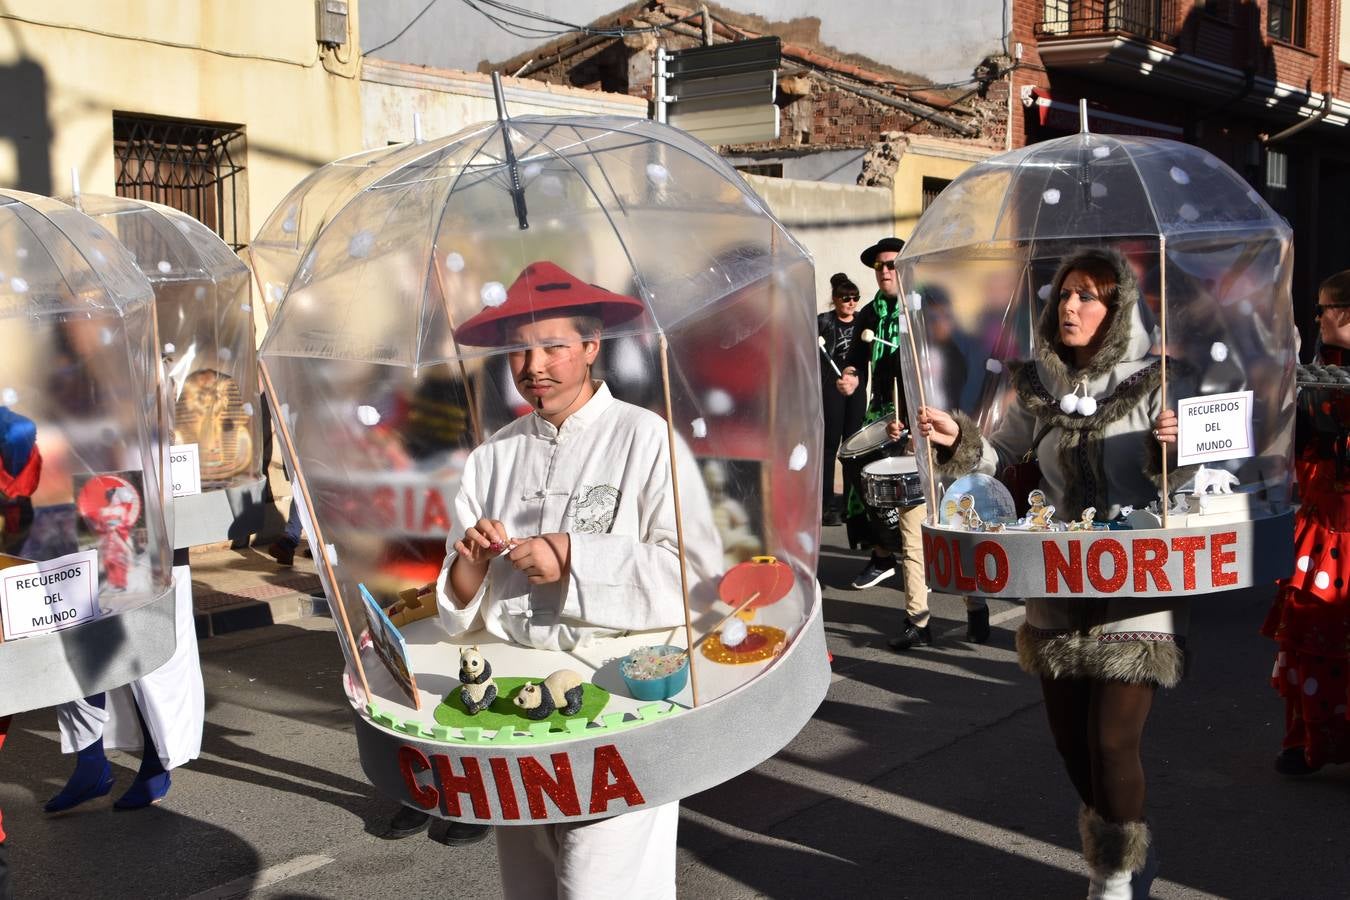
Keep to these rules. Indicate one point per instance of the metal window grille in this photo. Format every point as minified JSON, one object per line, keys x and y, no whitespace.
{"x":196,"y":167}
{"x":1286,"y":19}
{"x":1154,"y":20}
{"x":931,"y":188}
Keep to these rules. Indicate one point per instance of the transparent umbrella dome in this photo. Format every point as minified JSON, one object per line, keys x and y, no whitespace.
{"x":83,"y":449}
{"x":1212,"y":259}
{"x":384,"y":404}
{"x":205,"y":323}
{"x":277,"y":248}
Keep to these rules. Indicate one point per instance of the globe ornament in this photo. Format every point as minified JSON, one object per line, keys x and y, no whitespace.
{"x":993,"y":502}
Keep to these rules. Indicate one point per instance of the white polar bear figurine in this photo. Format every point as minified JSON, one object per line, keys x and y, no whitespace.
{"x":1221,"y":480}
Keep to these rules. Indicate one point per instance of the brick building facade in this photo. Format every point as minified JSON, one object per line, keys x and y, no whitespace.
{"x":1261,"y":85}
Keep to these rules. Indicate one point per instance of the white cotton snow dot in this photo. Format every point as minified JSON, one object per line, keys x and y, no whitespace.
{"x":1051,"y":196}
{"x":1304,"y":563}
{"x":902,"y":324}
{"x":719,"y":402}
{"x":226,"y":354}
{"x":1310,"y":686}
{"x":454,"y":262}
{"x":993,"y":365}
{"x":98,"y":256}
{"x":1218,"y":351}
{"x":169,"y":348}
{"x":105,"y":336}
{"x":18,"y":285}
{"x":1245,"y":307}
{"x":734,"y":632}
{"x":21,"y":253}
{"x":246,"y":307}
{"x":247,"y":408}
{"x":368,"y":416}
{"x":1188,"y":212}
{"x":164,"y":266}
{"x":657,"y":174}
{"x":797,"y":460}
{"x":532,"y":170}
{"x":1098,"y":190}
{"x":1068,"y":404}
{"x":332,"y":554}
{"x":1044,"y":292}
{"x":699,"y":428}
{"x":1101,"y":152}
{"x":275,"y":292}
{"x":1322,"y":581}
{"x":361,"y":244}
{"x":493,"y":293}
{"x":627,"y":362}
{"x":1179,"y":175}
{"x":9,"y":396}
{"x":806,"y":541}
{"x":915,"y":301}
{"x":1087,"y":406}
{"x":551,"y":186}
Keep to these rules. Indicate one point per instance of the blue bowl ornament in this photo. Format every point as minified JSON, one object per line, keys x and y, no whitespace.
{"x":642,"y":672}
{"x":993,"y":501}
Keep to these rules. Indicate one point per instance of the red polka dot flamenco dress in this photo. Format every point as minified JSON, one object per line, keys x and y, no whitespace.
{"x":1310,"y":619}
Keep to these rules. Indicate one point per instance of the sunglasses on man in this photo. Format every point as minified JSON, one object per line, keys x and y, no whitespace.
{"x":887,"y":264}
{"x":1336,"y":309}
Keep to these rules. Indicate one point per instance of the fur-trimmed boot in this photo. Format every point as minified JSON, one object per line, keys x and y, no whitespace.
{"x":1118,"y":855}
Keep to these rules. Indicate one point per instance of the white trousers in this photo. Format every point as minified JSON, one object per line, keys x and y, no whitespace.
{"x":627,"y":857}
{"x":171,"y":698}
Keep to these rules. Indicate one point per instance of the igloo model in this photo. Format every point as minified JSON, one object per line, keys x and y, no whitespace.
{"x":624,"y":335}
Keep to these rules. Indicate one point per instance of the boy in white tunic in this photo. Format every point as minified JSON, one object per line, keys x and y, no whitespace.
{"x":572,"y":536}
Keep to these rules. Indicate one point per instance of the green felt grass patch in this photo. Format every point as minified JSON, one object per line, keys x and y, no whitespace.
{"x":505,"y":714}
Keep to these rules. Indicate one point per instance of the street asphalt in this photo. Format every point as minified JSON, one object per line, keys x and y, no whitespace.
{"x":927,"y":774}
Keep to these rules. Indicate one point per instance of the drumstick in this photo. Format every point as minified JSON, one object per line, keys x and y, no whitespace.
{"x":868,"y":336}
{"x":821,"y":341}
{"x":895,"y":386}
{"x":727,"y":618}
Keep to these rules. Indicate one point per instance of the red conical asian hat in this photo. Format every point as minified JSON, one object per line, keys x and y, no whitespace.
{"x":544,"y":290}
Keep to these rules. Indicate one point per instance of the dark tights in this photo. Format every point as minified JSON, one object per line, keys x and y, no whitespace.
{"x":1098,"y":727}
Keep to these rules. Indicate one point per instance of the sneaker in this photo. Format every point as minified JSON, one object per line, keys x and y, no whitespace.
{"x":406,"y":822}
{"x":910,"y":635}
{"x":877,"y":570}
{"x":459,"y":834}
{"x":283,"y":551}
{"x":1294,"y":763}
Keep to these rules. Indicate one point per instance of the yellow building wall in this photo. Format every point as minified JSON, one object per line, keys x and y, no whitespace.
{"x":67,"y":65}
{"x":927,"y":159}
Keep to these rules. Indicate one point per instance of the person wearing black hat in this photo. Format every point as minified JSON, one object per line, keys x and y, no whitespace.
{"x":571,"y":534}
{"x":891,"y":530}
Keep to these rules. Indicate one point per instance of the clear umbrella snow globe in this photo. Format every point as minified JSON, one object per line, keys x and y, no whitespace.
{"x":580,"y":349}
{"x":1197,"y":320}
{"x":86,"y":585}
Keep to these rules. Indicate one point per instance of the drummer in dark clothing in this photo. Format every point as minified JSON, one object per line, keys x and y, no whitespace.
{"x":844,"y":399}
{"x":893,"y":530}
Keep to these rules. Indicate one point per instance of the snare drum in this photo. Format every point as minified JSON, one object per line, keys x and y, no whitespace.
{"x":892,"y":482}
{"x":869,"y":443}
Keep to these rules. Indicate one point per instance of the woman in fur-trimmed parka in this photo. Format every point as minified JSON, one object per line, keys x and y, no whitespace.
{"x":1099,"y":660}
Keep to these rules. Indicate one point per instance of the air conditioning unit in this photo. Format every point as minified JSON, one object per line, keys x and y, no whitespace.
{"x":330,"y":22}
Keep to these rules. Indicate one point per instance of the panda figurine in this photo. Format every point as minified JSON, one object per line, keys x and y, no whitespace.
{"x":476,"y":675}
{"x":560,"y":691}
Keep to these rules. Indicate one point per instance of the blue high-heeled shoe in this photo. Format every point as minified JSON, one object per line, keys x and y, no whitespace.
{"x":91,"y":779}
{"x":144,"y":792}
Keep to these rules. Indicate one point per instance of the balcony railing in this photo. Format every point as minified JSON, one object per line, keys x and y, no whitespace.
{"x":1154,"y":20}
